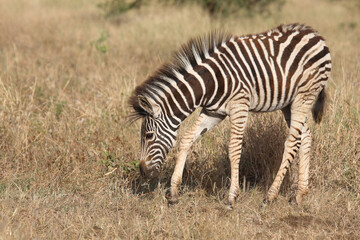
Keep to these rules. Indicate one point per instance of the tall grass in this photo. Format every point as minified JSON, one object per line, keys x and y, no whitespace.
{"x":68,"y":157}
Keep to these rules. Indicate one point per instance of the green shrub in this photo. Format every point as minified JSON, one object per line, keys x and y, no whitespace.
{"x":115,"y":7}
{"x":226,"y":7}
{"x":214,"y":7}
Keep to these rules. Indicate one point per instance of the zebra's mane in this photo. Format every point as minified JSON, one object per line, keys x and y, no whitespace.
{"x":189,"y":55}
{"x":292,"y":27}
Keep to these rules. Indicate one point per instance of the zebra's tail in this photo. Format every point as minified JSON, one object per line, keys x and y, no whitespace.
{"x":319,"y":106}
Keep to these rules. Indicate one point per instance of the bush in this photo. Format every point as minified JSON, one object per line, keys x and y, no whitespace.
{"x":226,"y":7}
{"x":115,"y":7}
{"x":214,"y":7}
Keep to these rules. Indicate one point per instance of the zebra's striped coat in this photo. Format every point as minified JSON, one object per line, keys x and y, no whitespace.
{"x":285,"y":68}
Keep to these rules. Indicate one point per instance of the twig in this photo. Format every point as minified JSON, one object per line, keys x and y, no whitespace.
{"x":144,"y":194}
{"x":108,"y":173}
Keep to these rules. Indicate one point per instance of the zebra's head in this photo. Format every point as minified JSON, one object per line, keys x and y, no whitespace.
{"x":156,"y":137}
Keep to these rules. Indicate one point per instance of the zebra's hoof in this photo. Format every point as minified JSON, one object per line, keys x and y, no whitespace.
{"x":172,"y":198}
{"x":229,"y":205}
{"x":173,"y":201}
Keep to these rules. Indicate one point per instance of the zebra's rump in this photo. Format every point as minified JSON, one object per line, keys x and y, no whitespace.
{"x":281,"y":63}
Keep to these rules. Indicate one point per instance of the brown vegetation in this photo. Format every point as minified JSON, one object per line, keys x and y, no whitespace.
{"x":68,"y":157}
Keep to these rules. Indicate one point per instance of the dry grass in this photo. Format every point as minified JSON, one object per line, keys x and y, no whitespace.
{"x":68,"y":157}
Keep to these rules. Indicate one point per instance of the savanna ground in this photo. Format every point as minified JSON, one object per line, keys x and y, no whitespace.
{"x":68,"y":157}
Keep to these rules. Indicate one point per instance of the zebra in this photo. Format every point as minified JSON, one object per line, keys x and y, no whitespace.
{"x":285,"y":68}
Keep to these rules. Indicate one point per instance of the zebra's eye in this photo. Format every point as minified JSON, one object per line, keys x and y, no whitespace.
{"x":149,"y":135}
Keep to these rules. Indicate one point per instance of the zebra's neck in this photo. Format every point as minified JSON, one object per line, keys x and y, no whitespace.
{"x":182,"y":91}
{"x":178,"y":96}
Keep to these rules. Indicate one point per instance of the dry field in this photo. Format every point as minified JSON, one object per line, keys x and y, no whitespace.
{"x":68,"y":157}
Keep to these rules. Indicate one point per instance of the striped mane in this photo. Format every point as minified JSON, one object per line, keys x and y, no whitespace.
{"x":190,"y":54}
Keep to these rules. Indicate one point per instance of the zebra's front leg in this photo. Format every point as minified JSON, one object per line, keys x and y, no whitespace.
{"x":238,"y":116}
{"x":204,"y":123}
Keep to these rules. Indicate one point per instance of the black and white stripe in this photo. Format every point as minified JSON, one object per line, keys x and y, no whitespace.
{"x":285,"y":68}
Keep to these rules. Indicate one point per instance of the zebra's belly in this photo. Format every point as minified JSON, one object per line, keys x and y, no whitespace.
{"x":276,"y":105}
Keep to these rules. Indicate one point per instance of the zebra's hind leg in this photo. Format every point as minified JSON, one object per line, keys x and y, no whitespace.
{"x":304,"y":158}
{"x":304,"y":162}
{"x":239,"y":112}
{"x":299,"y":111}
{"x":204,"y":123}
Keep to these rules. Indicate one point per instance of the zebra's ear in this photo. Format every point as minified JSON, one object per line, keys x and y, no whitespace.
{"x":149,"y":106}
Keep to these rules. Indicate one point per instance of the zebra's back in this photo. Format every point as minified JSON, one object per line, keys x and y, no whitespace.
{"x":273,"y":67}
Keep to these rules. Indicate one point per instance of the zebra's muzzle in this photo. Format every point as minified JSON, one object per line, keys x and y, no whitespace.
{"x":148,"y":171}
{"x":143,"y":170}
